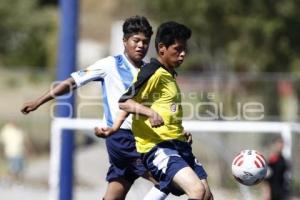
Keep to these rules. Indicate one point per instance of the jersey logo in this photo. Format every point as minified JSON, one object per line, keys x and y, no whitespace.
{"x":173,"y":107}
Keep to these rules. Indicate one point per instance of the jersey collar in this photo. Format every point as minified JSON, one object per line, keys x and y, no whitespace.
{"x":155,"y":61}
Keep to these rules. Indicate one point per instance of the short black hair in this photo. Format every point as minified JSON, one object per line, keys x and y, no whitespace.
{"x":137,"y":24}
{"x":170,"y":31}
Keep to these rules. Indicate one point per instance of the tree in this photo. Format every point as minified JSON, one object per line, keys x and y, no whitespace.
{"x":242,"y":35}
{"x":25,"y":33}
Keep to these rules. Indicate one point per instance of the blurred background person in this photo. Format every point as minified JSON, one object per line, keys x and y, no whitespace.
{"x":13,"y":141}
{"x":277,"y":184}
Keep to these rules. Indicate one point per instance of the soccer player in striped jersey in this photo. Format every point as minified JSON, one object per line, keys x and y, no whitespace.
{"x":115,"y":74}
{"x":166,"y":154}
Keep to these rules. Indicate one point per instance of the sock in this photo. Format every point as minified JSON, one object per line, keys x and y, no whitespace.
{"x":155,"y":194}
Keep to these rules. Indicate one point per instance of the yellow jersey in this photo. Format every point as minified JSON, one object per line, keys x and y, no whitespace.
{"x":155,"y":87}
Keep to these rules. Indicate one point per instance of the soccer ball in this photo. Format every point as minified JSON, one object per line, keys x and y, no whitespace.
{"x":249,"y":167}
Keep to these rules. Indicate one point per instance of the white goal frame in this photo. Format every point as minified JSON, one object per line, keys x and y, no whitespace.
{"x":58,"y":124}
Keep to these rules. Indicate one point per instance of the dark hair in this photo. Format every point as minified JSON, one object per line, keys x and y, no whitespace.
{"x":170,"y":31}
{"x":137,"y":24}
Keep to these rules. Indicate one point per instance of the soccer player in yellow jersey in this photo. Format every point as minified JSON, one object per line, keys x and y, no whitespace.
{"x":155,"y":100}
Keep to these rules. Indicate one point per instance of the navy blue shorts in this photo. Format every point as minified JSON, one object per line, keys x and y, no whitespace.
{"x":166,"y":159}
{"x":125,"y":161}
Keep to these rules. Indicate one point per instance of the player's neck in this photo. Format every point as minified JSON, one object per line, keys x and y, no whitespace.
{"x":170,"y":69}
{"x":135,"y":64}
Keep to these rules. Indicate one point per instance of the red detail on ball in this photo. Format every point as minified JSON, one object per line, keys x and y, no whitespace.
{"x":261,"y":160}
{"x":256,"y":163}
{"x":240,"y":163}
{"x":237,"y":159}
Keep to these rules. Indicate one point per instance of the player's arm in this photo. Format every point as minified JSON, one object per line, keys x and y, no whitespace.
{"x":131,"y":101}
{"x":129,"y":106}
{"x":97,"y":71}
{"x":62,"y":88}
{"x":132,"y":106}
{"x":104,"y":132}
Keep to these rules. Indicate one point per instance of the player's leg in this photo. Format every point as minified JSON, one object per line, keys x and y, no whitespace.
{"x":201,"y":174}
{"x":168,"y":158}
{"x":117,"y":189}
{"x":190,"y":183}
{"x":127,"y":164}
{"x":170,"y":169}
{"x":155,"y":194}
{"x":186,"y":153}
{"x":119,"y":152}
{"x":208,"y":195}
{"x":118,"y":185}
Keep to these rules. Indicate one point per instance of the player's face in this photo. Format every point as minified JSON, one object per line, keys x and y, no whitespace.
{"x":136,"y":47}
{"x":174,"y":55}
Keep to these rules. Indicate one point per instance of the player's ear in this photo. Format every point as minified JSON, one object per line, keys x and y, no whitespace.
{"x":161,"y":48}
{"x":125,"y":41}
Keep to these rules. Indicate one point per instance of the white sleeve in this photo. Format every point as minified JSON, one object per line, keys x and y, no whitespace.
{"x":94,"y":72}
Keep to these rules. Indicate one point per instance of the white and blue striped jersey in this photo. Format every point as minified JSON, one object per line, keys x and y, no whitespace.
{"x":116,"y":74}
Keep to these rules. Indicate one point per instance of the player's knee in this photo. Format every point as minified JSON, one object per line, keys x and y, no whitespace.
{"x":208,"y":195}
{"x":197,"y":190}
{"x":113,"y":197}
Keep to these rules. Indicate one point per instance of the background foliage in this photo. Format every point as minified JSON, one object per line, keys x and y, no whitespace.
{"x":239,"y":35}
{"x":27,"y":33}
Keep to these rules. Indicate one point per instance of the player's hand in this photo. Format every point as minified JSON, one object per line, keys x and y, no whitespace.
{"x":29,"y":107}
{"x":156,"y":120}
{"x":188,"y":136}
{"x":103,"y":132}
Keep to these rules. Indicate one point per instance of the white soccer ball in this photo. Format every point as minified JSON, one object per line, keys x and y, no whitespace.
{"x":249,"y":167}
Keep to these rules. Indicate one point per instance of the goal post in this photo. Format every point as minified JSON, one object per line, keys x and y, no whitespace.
{"x":59,"y":124}
{"x":57,"y":127}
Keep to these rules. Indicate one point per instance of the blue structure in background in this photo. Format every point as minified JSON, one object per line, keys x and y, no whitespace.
{"x":65,"y":66}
